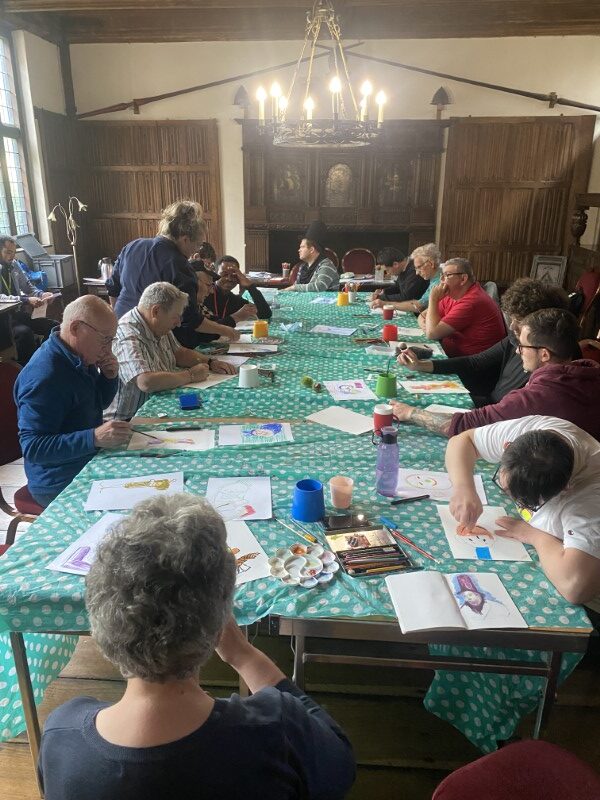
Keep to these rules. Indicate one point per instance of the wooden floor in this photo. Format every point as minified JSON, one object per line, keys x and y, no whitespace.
{"x":402,"y":750}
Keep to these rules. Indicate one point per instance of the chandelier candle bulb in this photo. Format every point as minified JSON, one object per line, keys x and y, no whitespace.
{"x":380,"y":100}
{"x":261,"y":96}
{"x":335,"y":87}
{"x":275,"y":97}
{"x":309,"y":105}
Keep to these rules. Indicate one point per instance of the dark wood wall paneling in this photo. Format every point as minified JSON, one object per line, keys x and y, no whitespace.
{"x":509,"y":190}
{"x":388,"y":186}
{"x":127,"y":172}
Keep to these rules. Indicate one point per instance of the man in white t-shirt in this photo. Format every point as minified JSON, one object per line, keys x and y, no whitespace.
{"x":551,"y":469}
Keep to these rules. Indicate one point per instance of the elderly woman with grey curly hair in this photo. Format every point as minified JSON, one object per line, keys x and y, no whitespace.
{"x":159,"y":598}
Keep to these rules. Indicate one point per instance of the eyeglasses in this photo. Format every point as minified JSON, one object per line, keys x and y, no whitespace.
{"x":445,"y":275}
{"x":521,"y":347}
{"x":519,"y":503}
{"x":104,"y":339}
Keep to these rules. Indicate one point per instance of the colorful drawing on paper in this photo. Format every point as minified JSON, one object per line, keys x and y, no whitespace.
{"x":240,"y":498}
{"x":469,"y":594}
{"x":420,"y":481}
{"x":251,"y":561}
{"x":437,"y":485}
{"x":196,"y":440}
{"x":481,"y":542}
{"x":80,"y":554}
{"x":434,"y":387}
{"x":266,"y":433}
{"x":124,"y":493}
{"x":353,"y":389}
{"x":160,"y":484}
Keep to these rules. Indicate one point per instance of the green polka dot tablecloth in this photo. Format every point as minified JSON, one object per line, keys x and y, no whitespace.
{"x":32,"y":598}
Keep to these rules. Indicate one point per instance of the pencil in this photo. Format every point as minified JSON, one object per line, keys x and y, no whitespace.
{"x":382,"y":569}
{"x":148,"y":435}
{"x":410,"y":543}
{"x":410,"y":499}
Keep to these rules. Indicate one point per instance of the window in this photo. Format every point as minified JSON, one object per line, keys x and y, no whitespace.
{"x":15,"y":214}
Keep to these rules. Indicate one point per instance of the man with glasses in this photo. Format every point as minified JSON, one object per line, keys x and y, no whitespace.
{"x":460,"y":313}
{"x":550,"y":469}
{"x":558,"y":386}
{"x":60,"y":396}
{"x":407,"y":286}
{"x":426,"y":261}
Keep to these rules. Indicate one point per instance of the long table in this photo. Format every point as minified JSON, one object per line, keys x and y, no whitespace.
{"x":485,"y":681}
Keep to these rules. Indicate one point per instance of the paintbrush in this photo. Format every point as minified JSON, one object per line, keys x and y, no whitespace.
{"x":307,"y":537}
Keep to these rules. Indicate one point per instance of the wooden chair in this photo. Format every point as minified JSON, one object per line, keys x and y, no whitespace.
{"x":359,"y":260}
{"x":25,"y":508}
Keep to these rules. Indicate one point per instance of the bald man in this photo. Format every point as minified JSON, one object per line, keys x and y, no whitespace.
{"x":60,"y":396}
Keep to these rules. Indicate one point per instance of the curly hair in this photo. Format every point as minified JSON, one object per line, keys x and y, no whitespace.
{"x":182,"y":218}
{"x":527,"y":295}
{"x":161,"y":588}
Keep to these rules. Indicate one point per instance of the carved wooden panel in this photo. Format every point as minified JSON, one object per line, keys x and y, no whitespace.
{"x":509,"y":190}
{"x":288,"y":181}
{"x":257,"y":249}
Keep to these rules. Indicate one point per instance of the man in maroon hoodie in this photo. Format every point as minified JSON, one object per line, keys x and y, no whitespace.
{"x":558,"y":386}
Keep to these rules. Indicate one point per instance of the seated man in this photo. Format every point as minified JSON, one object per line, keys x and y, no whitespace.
{"x":159,"y":599}
{"x":460,"y":313}
{"x":210,"y":327}
{"x":493,"y":373}
{"x":407,"y":286}
{"x":557,"y":387}
{"x":317,"y":272}
{"x":223,"y":303}
{"x":15,"y":285}
{"x":150,"y":358}
{"x":426,"y":260}
{"x":60,"y":396}
{"x":550,"y":468}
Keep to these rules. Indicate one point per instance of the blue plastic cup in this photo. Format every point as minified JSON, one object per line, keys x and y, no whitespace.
{"x":308,"y":503}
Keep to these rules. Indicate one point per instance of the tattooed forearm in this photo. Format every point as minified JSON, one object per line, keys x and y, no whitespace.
{"x":436,"y":423}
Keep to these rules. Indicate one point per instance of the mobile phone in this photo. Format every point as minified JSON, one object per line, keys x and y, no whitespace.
{"x":340,"y":522}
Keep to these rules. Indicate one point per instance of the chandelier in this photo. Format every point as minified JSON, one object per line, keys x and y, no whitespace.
{"x":350,"y":123}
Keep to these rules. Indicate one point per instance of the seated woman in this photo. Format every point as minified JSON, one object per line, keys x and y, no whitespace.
{"x":150,"y":357}
{"x":159,"y":598}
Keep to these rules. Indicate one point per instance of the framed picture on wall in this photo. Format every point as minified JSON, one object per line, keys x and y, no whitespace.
{"x":549,"y":269}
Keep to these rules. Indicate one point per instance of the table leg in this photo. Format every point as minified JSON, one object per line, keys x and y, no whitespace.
{"x":32,"y":722}
{"x":548,"y":694}
{"x":298,"y":675}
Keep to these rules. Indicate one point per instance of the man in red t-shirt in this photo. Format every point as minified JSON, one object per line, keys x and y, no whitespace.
{"x":460,"y":313}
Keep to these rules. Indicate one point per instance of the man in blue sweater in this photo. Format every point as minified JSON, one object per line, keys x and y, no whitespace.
{"x":60,"y":396}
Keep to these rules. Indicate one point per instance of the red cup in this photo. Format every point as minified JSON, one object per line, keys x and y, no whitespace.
{"x":388,"y":313}
{"x":389,"y":333}
{"x":382,"y":416}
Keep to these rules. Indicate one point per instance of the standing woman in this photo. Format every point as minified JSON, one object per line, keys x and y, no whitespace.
{"x":164,"y":258}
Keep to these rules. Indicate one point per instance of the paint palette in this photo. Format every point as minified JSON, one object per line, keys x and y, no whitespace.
{"x":303,"y":565}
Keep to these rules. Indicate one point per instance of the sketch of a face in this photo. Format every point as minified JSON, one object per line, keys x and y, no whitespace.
{"x":474,"y":600}
{"x":427,"y":482}
{"x":231,"y":501}
{"x":478,"y":536}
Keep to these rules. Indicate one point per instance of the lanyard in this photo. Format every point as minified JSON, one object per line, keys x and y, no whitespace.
{"x":224,"y":314}
{"x":7,"y":285}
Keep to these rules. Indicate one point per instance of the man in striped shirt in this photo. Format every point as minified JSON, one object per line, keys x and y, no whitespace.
{"x":150,"y":357}
{"x":317,"y":273}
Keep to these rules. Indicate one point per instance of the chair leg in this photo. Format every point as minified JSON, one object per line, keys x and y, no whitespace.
{"x":6,"y":507}
{"x":14,"y":524}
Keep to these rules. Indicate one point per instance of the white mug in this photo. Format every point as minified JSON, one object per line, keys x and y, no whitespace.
{"x":249,"y":377}
{"x":352,"y":297}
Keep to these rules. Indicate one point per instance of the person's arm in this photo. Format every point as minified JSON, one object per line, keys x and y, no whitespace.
{"x":210,"y":326}
{"x":489,"y":361}
{"x":263,"y":309}
{"x":516,"y":404}
{"x":25,"y":286}
{"x":325,"y":277}
{"x":159,"y":381}
{"x":436,"y":423}
{"x":409,"y":290}
{"x":186,"y":358}
{"x":461,"y":457}
{"x":434,"y":327}
{"x":574,"y":573}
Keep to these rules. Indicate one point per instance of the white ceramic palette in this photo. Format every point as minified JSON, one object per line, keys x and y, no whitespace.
{"x":303,"y":565}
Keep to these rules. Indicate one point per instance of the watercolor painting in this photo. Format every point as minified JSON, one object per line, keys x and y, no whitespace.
{"x":265,"y":433}
{"x":123,"y":493}
{"x":434,"y":387}
{"x":240,"y":498}
{"x":481,"y":543}
{"x":196,"y":440}
{"x":251,"y":561}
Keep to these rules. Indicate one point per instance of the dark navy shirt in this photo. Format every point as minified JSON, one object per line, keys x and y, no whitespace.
{"x":277,"y":744}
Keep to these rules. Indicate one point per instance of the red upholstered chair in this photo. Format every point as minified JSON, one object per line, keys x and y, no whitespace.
{"x":590,"y":348}
{"x":532,"y":770}
{"x":294,"y":273}
{"x":359,"y":260}
{"x":333,"y":256}
{"x":25,"y":508}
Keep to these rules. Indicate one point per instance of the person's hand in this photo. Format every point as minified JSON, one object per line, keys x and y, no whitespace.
{"x":422,"y":320}
{"x":288,"y":288}
{"x":199,"y":372}
{"x":244,"y":281}
{"x":377,"y":303}
{"x":112,"y":434}
{"x":465,"y":506}
{"x":46,"y":296}
{"x":401,"y":411}
{"x":35,"y":302}
{"x":222,"y":367}
{"x":247,"y":311}
{"x":108,"y":366}
{"x":409,"y":360}
{"x":438,"y":291}
{"x":231,"y":333}
{"x":233,"y":646}
{"x":516,"y":528}
{"x":377,"y":293}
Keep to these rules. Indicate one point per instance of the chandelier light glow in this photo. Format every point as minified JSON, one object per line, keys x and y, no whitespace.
{"x":347,"y":123}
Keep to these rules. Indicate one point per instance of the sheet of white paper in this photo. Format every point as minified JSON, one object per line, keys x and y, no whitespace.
{"x":332,"y":330}
{"x":79,"y":556}
{"x":422,"y":602}
{"x":213,"y":379}
{"x":246,"y":325}
{"x":251,"y":560}
{"x":173,"y":440}
{"x":436,"y":408}
{"x":481,"y":542}
{"x":379,"y":350}
{"x":379,"y":312}
{"x":449,"y":386}
{"x":409,"y":333}
{"x":117,"y":494}
{"x":240,"y":498}
{"x":247,"y":348}
{"x":483,"y":601}
{"x":237,"y":361}
{"x":324,"y":301}
{"x":342,"y":419}
{"x":39,"y":311}
{"x":352,"y":389}
{"x":415,"y":482}
{"x":260,"y":433}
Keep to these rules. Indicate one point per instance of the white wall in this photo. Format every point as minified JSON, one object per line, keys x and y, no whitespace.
{"x":105,"y":74}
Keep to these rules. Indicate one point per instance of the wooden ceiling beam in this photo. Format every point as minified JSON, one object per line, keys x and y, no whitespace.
{"x":42,"y":25}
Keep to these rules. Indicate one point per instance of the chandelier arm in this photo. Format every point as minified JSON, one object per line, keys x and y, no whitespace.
{"x":335,"y":32}
{"x":315,"y":29}
{"x":298,"y":62}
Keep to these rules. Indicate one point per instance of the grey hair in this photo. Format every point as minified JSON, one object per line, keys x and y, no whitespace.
{"x":430,"y":251}
{"x":183,"y":218}
{"x":162,"y":294}
{"x":87,"y":308}
{"x":463,"y":266}
{"x":161,"y":588}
